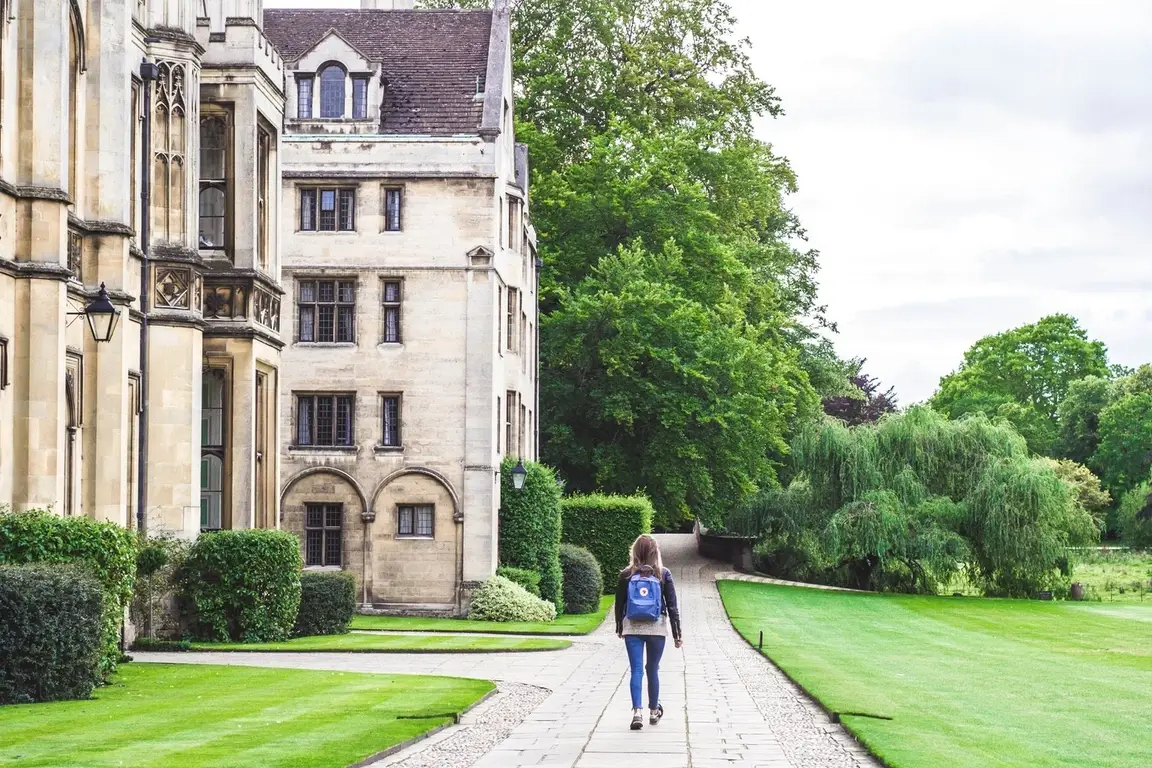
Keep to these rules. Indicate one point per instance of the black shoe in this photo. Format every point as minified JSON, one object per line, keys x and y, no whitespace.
{"x":656,"y":714}
{"x":637,"y":720}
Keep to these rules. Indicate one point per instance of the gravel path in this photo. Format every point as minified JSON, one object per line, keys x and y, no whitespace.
{"x":725,"y":704}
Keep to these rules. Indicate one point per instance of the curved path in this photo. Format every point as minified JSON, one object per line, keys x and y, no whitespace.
{"x":725,"y":704}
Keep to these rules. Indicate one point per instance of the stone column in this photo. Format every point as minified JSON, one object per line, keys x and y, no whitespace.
{"x":480,"y":497}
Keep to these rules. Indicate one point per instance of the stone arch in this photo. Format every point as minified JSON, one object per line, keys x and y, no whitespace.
{"x":418,"y":470}
{"x":77,"y":24}
{"x":329,"y":471}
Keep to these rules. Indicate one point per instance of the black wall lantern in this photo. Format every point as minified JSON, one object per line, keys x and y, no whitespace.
{"x":102,"y":316}
{"x":518,"y":475}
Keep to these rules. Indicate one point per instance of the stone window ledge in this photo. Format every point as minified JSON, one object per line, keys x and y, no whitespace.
{"x":398,"y":537}
{"x":326,"y":344}
{"x":388,"y":450}
{"x":323,"y":568}
{"x":323,"y":451}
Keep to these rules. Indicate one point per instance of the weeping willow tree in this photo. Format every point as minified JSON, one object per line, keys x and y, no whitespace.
{"x":903,"y":504}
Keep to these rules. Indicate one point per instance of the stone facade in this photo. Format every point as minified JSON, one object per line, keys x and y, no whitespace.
{"x":83,"y":129}
{"x":410,"y":274}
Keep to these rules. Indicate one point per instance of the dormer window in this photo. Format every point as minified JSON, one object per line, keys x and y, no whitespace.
{"x":332,"y":91}
{"x":304,"y":97}
{"x":359,"y":98}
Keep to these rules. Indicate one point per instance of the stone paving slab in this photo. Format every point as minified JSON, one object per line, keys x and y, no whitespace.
{"x":725,"y":705}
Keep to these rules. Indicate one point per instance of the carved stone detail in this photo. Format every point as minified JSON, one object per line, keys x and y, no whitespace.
{"x":76,"y":254}
{"x":174,"y":287}
{"x":266,"y":309}
{"x":225,"y":301}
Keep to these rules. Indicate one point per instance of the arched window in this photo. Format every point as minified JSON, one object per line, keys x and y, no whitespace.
{"x":72,"y":110}
{"x":212,"y":429}
{"x":332,"y":91}
{"x":213,"y":181}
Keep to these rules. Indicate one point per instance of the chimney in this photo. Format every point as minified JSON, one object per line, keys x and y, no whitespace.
{"x":387,"y":5}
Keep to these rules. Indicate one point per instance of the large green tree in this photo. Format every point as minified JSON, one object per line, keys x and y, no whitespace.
{"x":680,"y":319}
{"x":1023,"y":375}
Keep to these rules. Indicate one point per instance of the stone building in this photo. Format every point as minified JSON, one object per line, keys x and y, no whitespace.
{"x":100,"y":102}
{"x":411,"y":286}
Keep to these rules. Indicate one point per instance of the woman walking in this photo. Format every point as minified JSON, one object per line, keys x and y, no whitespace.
{"x":645,"y":607}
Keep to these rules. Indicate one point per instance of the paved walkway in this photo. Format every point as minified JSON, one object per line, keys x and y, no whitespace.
{"x":725,"y":705}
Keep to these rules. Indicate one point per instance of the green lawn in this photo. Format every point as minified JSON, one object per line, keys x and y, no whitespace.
{"x":163,"y":715}
{"x":361,"y":643}
{"x":967,"y":681}
{"x":568,"y":624}
{"x":1118,"y":576}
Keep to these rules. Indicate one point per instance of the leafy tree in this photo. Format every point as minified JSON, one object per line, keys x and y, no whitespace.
{"x":1134,"y":518}
{"x":653,"y":388}
{"x":678,"y":342}
{"x":866,"y":404}
{"x":1078,"y":418}
{"x":1086,"y":488}
{"x":899,"y":504}
{"x":1124,"y":455}
{"x":1028,"y":369}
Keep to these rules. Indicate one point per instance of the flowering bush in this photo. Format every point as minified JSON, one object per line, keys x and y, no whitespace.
{"x":499,"y":599}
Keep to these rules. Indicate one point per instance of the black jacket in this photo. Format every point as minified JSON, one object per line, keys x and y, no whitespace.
{"x":668,"y":591}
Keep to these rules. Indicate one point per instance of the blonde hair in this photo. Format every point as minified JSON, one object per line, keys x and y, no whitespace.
{"x":646,"y":552}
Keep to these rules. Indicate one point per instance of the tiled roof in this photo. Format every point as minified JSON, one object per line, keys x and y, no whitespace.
{"x":431,"y":59}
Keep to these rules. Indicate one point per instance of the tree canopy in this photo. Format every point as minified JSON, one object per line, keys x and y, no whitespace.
{"x":901,"y":504}
{"x":681,"y":317}
{"x":865,"y":403}
{"x":1023,"y":375}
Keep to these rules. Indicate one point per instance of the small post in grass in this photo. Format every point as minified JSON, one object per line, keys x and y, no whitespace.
{"x":761,"y":646}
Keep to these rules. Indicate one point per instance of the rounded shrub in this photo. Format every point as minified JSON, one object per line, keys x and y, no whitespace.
{"x":530,"y":527}
{"x":51,"y":633}
{"x":499,"y":599}
{"x":241,"y":586}
{"x":583,"y":583}
{"x":525,"y":577}
{"x":327,"y":603}
{"x":106,"y":550}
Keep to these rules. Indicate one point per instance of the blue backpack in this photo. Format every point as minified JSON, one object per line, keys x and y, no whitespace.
{"x":645,"y":599}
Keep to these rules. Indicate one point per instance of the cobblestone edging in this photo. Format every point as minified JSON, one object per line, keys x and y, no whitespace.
{"x":807,"y":733}
{"x":480,"y":731}
{"x":734,"y":576}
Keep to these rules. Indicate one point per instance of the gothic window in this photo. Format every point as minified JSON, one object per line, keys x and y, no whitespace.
{"x":415,"y":521}
{"x":359,"y":98}
{"x":263,"y":204}
{"x":390,"y":408}
{"x":168,"y":155}
{"x":323,"y":526}
{"x":73,"y":381}
{"x":73,"y":110}
{"x":332,"y":91}
{"x":392,"y":202}
{"x":214,"y":156}
{"x":324,"y":420}
{"x":304,"y":97}
{"x":392,"y":304}
{"x":212,"y":450}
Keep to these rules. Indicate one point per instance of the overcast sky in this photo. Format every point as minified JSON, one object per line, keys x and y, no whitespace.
{"x":965,"y":166}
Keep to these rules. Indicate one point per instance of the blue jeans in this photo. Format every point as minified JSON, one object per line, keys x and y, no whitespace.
{"x":636,"y":645}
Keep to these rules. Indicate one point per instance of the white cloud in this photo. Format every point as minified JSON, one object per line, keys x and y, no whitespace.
{"x":966,"y":167}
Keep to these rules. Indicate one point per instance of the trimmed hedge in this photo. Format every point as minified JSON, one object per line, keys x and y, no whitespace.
{"x":327,"y":603}
{"x":525,"y":577}
{"x":51,"y":621}
{"x":107,"y":550}
{"x":241,"y":586}
{"x":530,"y":527}
{"x":607,"y":525}
{"x":583,"y":582}
{"x":499,"y":599}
